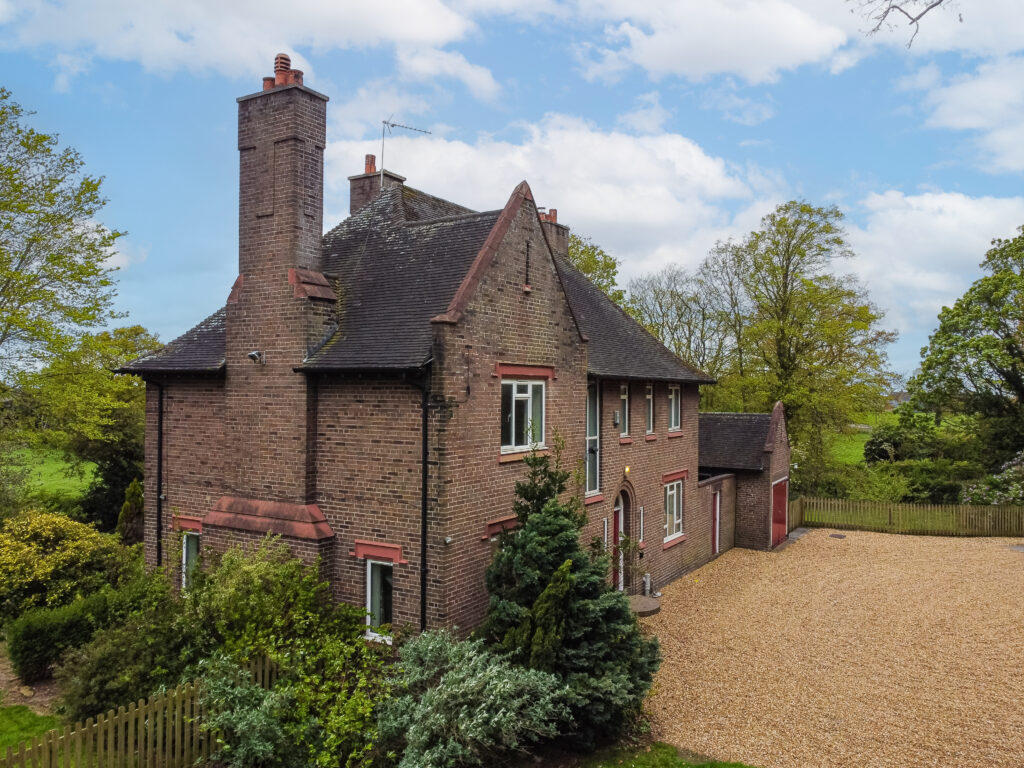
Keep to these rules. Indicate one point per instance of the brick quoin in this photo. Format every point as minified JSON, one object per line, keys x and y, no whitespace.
{"x":256,"y":439}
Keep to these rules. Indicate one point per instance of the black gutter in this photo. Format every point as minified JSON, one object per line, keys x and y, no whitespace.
{"x":159,"y":475}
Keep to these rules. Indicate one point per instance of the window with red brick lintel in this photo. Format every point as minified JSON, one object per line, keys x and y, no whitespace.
{"x":673,"y":510}
{"x":592,"y":459}
{"x":522,"y":414}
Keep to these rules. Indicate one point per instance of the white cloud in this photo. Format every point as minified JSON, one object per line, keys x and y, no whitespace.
{"x":918,"y":253}
{"x":126,"y":253}
{"x":229,"y":36}
{"x":375,"y":101}
{"x":647,"y":117}
{"x":753,"y":39}
{"x":738,"y":109}
{"x":430,"y":63}
{"x":989,"y":101}
{"x":651,"y":200}
{"x":68,"y":67}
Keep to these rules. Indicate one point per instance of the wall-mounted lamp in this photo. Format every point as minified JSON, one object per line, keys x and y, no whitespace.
{"x":257,"y":357}
{"x":627,"y":470}
{"x":448,"y":539}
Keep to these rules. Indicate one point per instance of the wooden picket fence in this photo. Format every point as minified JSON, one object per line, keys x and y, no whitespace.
{"x":928,"y":519}
{"x":161,"y":732}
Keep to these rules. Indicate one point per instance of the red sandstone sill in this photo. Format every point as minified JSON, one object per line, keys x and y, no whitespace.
{"x":505,"y":458}
{"x":651,"y":438}
{"x":597,"y":497}
{"x":625,"y":441}
{"x":676,"y":433}
{"x":673,"y":542}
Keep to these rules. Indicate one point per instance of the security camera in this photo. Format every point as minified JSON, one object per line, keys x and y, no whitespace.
{"x":256,"y":356}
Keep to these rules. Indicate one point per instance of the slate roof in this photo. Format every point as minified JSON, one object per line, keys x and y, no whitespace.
{"x":733,"y":440}
{"x":619,"y":347}
{"x":198,"y":350}
{"x":397,"y":272}
{"x":396,"y":264}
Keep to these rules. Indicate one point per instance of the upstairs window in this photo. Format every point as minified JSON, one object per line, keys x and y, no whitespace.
{"x":673,"y":408}
{"x":650,"y":409}
{"x":624,"y":400}
{"x":673,"y":510}
{"x":592,"y":460}
{"x":522,"y":415}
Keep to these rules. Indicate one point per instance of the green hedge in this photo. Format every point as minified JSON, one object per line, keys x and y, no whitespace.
{"x":38,"y":638}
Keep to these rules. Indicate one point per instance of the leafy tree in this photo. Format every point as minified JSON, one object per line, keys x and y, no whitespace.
{"x":1004,"y":487}
{"x":130,"y":521}
{"x":50,"y":560}
{"x":81,"y":406}
{"x":974,"y":362}
{"x":55,"y":278}
{"x":552,"y":608}
{"x":597,"y":264}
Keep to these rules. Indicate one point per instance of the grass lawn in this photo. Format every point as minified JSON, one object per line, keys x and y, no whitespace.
{"x":849,"y":446}
{"x":48,"y":472}
{"x":658,"y":756}
{"x":18,"y":723}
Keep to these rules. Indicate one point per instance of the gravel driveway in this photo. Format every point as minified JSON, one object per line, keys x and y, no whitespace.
{"x":870,"y":650}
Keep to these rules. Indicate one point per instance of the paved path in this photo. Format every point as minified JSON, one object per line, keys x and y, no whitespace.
{"x":870,"y":650}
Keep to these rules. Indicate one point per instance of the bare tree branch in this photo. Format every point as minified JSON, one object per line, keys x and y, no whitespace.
{"x":878,"y":12}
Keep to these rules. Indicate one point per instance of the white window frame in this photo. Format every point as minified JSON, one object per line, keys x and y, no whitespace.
{"x":624,"y":404}
{"x":185,"y":570}
{"x":674,"y":510}
{"x":605,"y":534}
{"x":650,"y":409}
{"x":593,"y":441}
{"x":674,"y":409}
{"x":370,"y":632}
{"x":531,"y":384}
{"x":641,"y":539}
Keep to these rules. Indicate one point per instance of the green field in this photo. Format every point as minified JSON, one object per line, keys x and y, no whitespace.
{"x":658,"y":756}
{"x":849,"y":446}
{"x":19,"y":723}
{"x":50,"y":472}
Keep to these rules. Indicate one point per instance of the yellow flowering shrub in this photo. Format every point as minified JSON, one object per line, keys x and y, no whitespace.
{"x":48,"y":560}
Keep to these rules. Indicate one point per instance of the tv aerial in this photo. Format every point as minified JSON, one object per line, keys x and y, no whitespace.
{"x":386,"y":127}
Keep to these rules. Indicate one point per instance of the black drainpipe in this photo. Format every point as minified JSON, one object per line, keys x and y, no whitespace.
{"x":159,"y":475}
{"x":424,"y":476}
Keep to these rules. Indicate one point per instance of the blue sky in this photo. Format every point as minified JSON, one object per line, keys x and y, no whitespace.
{"x":656,"y":128}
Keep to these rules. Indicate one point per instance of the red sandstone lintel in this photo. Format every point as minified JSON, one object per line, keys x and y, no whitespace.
{"x":651,"y":438}
{"x":494,"y":527}
{"x":506,"y":458}
{"x":377,"y":550}
{"x":678,"y":474}
{"x":625,"y":441}
{"x":593,"y":499}
{"x":188,"y":523}
{"x":675,"y":434}
{"x":524,"y":371}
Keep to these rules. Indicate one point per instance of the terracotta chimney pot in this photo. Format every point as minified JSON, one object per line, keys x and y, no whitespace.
{"x":370,"y":165}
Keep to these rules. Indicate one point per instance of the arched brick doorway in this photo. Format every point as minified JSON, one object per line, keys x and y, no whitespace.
{"x":620,"y":527}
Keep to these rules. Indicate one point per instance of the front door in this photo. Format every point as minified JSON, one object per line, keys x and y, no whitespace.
{"x":618,"y":529}
{"x":780,"y":501}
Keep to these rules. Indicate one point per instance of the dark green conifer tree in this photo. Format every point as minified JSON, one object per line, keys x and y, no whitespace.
{"x":552,"y":607}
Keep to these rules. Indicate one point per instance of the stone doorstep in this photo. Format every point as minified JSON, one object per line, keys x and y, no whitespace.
{"x":644,"y":606}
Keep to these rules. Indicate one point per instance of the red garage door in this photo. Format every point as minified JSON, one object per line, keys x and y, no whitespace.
{"x":780,"y":498}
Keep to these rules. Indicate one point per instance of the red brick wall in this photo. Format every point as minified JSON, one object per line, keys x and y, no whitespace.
{"x":501,"y":324}
{"x":648,"y":461}
{"x":368,"y":483}
{"x":726,"y":486}
{"x":194,"y":454}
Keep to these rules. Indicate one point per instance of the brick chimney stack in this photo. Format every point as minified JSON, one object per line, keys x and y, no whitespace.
{"x":557,"y":234}
{"x":364,"y":186}
{"x":280,"y":302}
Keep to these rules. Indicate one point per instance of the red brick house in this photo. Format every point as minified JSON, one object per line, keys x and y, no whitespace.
{"x":369,"y":394}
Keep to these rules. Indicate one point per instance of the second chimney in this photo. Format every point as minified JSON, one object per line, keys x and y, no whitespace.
{"x":365,"y":186}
